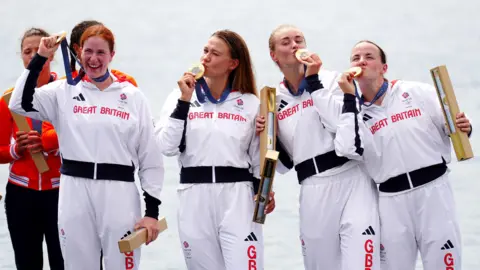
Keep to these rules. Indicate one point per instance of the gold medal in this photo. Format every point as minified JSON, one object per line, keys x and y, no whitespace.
{"x":60,"y":36}
{"x":302,"y":54}
{"x":357,"y":70}
{"x":197,"y":70}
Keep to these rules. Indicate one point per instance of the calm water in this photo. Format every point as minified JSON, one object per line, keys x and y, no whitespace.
{"x":158,"y":40}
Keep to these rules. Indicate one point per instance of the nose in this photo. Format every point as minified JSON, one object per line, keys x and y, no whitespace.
{"x":205,"y":58}
{"x":92,"y":57}
{"x":295,"y":45}
{"x":362,"y":62}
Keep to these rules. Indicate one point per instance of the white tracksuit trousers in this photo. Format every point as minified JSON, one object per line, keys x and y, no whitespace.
{"x":94,"y":215}
{"x":216,"y":228}
{"x":422,"y":219}
{"x":339,"y":222}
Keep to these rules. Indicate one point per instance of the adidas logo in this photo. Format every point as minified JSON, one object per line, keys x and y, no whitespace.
{"x":251,"y":237}
{"x":195,"y":104}
{"x":369,"y":231}
{"x":448,"y":245}
{"x":128,"y":233}
{"x":79,"y":97}
{"x":283,"y":103}
{"x":366,"y":117}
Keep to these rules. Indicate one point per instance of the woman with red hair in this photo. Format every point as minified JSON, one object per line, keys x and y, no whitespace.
{"x":105,"y":132}
{"x":75,"y":50}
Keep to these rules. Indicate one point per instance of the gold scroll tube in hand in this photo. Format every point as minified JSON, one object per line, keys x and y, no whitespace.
{"x":268,"y":155}
{"x":448,"y":101}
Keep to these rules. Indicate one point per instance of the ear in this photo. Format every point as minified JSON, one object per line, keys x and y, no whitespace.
{"x":273,"y":56}
{"x":385,"y":68}
{"x":234,"y":64}
{"x":112,"y":55}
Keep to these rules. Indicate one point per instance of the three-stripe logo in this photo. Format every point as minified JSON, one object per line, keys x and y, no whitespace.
{"x":251,"y":237}
{"x":79,"y":97}
{"x":369,"y":231}
{"x":283,"y":103}
{"x":366,"y":117}
{"x":195,"y":104}
{"x":448,"y":245}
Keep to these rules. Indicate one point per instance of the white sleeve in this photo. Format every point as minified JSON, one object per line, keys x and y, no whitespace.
{"x":435,"y":109}
{"x":339,"y":117}
{"x":327,"y":98}
{"x":150,"y":159}
{"x":171,"y":127}
{"x":372,"y":154}
{"x":432,"y":106}
{"x":37,"y":103}
{"x":281,"y":168}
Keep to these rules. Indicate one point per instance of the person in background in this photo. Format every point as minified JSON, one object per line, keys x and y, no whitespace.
{"x":31,"y":202}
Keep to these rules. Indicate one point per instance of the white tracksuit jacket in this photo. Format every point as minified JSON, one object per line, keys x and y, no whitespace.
{"x":316,"y":123}
{"x":407,"y":132}
{"x":319,"y":131}
{"x":407,"y":146}
{"x":228,"y":128}
{"x":112,"y":126}
{"x":218,"y":151}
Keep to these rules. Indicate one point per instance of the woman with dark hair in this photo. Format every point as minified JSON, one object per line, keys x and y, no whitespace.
{"x":31,"y":202}
{"x":407,"y":149}
{"x":209,"y":123}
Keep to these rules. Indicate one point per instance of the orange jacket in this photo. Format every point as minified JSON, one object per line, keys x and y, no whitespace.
{"x":120,"y":75}
{"x":22,"y":168}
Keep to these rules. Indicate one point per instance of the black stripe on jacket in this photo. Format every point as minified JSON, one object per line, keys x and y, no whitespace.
{"x":181,"y":112}
{"x":35,"y":67}
{"x":350,"y":106}
{"x":313,"y":83}
{"x":283,"y":155}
